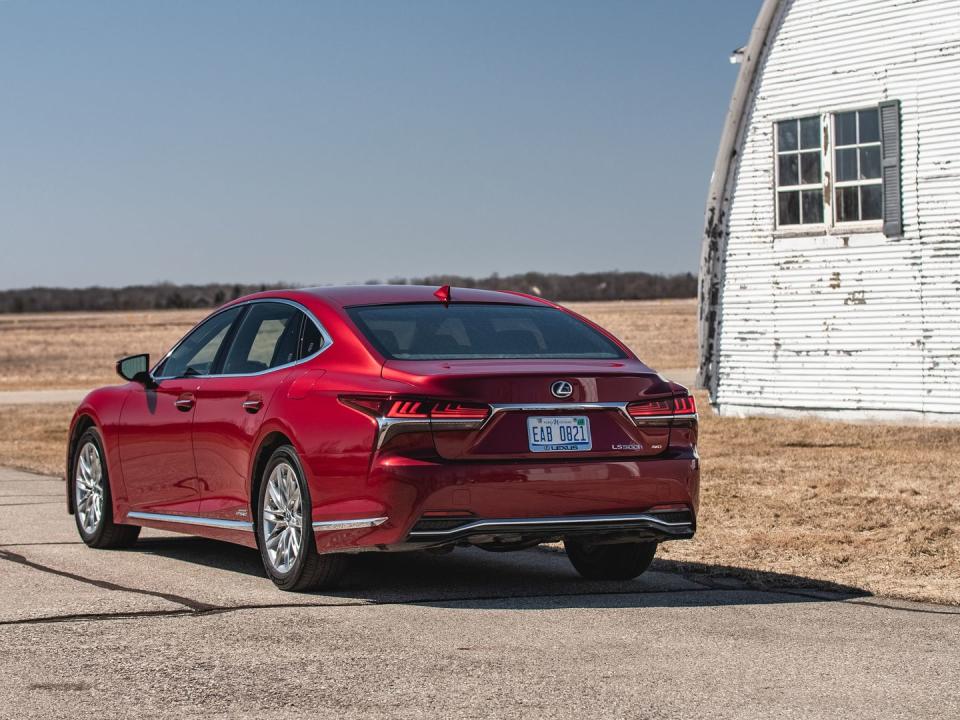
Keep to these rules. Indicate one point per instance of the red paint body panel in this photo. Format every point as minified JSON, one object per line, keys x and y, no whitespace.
{"x":156,"y":448}
{"x":201,"y":462}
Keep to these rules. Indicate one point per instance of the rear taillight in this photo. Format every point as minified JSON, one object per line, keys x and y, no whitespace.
{"x":459,"y":411}
{"x":650,"y":408}
{"x":683,"y":406}
{"x":417,"y":408}
{"x":408,"y":409}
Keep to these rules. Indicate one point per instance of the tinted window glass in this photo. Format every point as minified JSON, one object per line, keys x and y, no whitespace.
{"x":197,"y":352}
{"x":435,"y":332}
{"x":311,"y":340}
{"x":268,"y":336}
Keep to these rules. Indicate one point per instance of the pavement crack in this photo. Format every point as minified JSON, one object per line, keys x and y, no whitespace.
{"x":193,"y":605}
{"x":45,"y":502}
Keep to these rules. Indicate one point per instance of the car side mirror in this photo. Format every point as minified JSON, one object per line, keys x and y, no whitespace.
{"x":136,"y":368}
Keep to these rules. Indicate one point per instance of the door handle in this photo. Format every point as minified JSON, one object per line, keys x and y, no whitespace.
{"x":252,"y":405}
{"x":184,"y":403}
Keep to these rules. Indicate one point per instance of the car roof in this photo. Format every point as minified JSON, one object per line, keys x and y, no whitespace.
{"x":349,"y":295}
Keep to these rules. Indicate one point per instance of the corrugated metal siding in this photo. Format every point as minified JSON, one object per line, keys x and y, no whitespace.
{"x":858,"y":323}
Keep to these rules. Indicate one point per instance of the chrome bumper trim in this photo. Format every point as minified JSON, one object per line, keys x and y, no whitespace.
{"x":243,"y":525}
{"x":328,"y":525}
{"x":557,"y":524}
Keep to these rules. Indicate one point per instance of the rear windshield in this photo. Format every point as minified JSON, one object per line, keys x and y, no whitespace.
{"x":472,"y":331}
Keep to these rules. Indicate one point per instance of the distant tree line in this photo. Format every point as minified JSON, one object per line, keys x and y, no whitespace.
{"x":162,"y":296}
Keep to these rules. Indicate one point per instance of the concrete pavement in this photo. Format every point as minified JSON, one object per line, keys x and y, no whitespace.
{"x":183,"y":627}
{"x":41,"y":397}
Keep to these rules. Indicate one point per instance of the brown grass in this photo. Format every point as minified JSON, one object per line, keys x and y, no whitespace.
{"x":34,"y":437}
{"x":663,"y":333}
{"x":78,"y":350}
{"x":870,"y":506}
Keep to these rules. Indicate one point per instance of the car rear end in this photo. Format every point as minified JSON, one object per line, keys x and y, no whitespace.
{"x":524,"y":423}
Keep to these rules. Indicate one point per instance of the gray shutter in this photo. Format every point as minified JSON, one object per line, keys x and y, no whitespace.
{"x":890,"y":138}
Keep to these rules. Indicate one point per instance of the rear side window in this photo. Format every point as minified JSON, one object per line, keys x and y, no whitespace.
{"x":311,"y":340}
{"x":268,"y":336}
{"x":476,"y":331}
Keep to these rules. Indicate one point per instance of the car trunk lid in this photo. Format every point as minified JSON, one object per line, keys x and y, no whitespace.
{"x":542,"y":410}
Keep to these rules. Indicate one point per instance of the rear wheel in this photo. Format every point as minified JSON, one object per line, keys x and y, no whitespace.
{"x":284,"y":530}
{"x":619,"y":561}
{"x":92,"y":505}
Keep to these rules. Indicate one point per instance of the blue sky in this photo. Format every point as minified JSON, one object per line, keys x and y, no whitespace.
{"x":331,"y":142}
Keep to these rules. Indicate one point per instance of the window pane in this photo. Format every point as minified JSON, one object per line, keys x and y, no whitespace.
{"x":846,"y":164}
{"x":789,"y":172}
{"x":847,"y":204}
{"x":846,"y":125}
{"x":810,"y":132}
{"x":810,"y":168}
{"x":196,"y":353}
{"x":869,"y":126}
{"x":268,"y":336}
{"x":475,"y":330}
{"x":789,"y":203}
{"x":787,"y":135}
{"x":869,"y":162}
{"x":870,"y":202}
{"x":812,"y":206}
{"x":311,"y":340}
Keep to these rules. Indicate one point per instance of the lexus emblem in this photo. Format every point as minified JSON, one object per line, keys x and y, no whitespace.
{"x":561,"y":389}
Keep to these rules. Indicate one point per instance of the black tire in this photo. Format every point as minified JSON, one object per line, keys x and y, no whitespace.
{"x":102,"y":533}
{"x":310,"y":570}
{"x":619,"y":561}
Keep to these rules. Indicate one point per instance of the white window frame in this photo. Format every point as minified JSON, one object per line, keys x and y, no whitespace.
{"x":830,"y":224}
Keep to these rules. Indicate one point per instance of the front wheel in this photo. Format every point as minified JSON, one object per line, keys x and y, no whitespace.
{"x":619,"y":561}
{"x":92,"y":505}
{"x":285,"y":532}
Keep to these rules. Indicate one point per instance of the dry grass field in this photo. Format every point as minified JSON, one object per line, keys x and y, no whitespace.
{"x":78,"y":350}
{"x":874,"y":507}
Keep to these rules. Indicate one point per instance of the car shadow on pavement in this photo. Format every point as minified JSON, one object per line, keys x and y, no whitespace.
{"x":472,"y":577}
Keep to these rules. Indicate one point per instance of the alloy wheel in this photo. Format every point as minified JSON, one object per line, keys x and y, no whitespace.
{"x":283,"y":518}
{"x":88,"y":488}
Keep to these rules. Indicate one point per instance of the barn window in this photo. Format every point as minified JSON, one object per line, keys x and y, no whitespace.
{"x":855,"y":184}
{"x":799,"y":172}
{"x":858,"y":188}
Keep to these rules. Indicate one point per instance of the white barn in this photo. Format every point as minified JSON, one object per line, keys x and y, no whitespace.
{"x":830,"y":271}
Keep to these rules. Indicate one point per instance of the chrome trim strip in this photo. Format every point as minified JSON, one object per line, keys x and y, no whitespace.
{"x":575,"y":407}
{"x":550,"y":407}
{"x":327,"y":342}
{"x":390,"y":427}
{"x":533,"y":522}
{"x":192,"y":520}
{"x":328,"y":525}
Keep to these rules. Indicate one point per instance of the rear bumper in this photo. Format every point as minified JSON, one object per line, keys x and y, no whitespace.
{"x":428,"y":503}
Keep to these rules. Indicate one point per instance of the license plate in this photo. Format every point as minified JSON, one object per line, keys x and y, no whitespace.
{"x":559,"y":434}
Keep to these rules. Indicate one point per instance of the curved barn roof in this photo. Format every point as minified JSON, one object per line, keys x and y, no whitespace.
{"x":714,"y":236}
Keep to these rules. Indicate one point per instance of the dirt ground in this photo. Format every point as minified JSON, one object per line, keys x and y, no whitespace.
{"x":871,"y":506}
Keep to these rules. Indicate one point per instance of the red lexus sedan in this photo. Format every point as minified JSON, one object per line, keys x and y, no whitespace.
{"x":312,"y":424}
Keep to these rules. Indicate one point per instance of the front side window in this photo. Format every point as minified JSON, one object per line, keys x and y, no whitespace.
{"x":268,"y":336}
{"x":831,"y":170}
{"x":479,"y":331}
{"x":197,"y":352}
